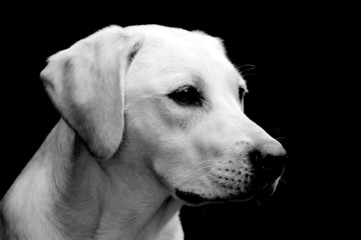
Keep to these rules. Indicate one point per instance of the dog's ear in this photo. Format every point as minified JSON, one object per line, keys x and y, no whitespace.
{"x":86,"y":85}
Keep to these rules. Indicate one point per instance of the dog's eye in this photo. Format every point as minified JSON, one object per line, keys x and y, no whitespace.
{"x":186,"y":95}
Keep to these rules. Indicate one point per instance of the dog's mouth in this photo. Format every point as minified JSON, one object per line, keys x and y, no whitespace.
{"x":259,"y":193}
{"x":193,"y":198}
{"x":255,"y":183}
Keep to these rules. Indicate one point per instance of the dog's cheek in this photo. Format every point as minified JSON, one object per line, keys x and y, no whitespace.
{"x":169,"y":147}
{"x":156,"y":116}
{"x":173,"y":117}
{"x":148,"y":125}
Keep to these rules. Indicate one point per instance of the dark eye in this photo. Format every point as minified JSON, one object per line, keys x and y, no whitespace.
{"x":186,"y":95}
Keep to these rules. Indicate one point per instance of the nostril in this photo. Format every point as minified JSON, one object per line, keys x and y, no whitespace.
{"x":273,"y":166}
{"x":270,"y":164}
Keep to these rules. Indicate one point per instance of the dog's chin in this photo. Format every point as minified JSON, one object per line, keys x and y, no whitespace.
{"x":262,"y":193}
{"x":193,"y":199}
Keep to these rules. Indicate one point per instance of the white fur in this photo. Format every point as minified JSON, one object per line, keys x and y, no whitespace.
{"x":67,"y":192}
{"x":29,"y":203}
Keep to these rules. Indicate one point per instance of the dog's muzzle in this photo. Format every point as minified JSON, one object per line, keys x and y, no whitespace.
{"x":266,"y":163}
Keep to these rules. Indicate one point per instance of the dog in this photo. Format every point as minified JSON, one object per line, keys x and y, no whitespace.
{"x":152,"y":118}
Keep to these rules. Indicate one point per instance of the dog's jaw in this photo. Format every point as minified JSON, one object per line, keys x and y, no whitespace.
{"x":261,"y":193}
{"x":229,"y":184}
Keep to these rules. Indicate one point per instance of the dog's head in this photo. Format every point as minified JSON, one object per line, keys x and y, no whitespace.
{"x":173,"y":99}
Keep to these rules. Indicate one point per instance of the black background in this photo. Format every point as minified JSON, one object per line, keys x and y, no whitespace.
{"x":289,"y":46}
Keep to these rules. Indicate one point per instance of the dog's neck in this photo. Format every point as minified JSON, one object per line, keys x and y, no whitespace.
{"x":137,"y":204}
{"x":114,"y":199}
{"x":121,"y":197}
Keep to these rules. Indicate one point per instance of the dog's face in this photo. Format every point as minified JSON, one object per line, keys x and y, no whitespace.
{"x":184,"y":111}
{"x":173,"y":101}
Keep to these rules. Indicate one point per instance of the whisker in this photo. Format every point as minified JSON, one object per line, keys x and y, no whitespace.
{"x":248,"y":74}
{"x":245,"y":67}
{"x":281,"y":139}
{"x":245,"y":70}
{"x":283,"y":181}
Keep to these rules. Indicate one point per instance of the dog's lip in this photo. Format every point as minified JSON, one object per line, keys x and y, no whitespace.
{"x":195,"y":199}
{"x":260,"y":192}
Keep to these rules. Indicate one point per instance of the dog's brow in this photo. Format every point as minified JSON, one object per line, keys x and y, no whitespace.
{"x":198,"y":81}
{"x":242,"y":84}
{"x":190,"y":79}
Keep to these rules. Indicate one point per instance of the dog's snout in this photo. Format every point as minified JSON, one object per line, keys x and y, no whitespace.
{"x":269,"y":158}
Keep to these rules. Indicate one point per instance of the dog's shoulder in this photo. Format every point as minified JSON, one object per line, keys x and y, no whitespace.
{"x":2,"y":224}
{"x":5,"y":233}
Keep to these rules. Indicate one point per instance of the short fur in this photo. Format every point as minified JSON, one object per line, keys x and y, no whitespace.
{"x":125,"y":156}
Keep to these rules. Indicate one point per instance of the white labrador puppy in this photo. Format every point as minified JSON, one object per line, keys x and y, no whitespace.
{"x":152,"y":118}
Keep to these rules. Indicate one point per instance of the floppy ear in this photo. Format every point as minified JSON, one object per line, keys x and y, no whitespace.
{"x":86,"y":85}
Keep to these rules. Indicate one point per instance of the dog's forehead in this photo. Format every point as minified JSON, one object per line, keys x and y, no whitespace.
{"x":176,"y":36}
{"x":172,"y":56}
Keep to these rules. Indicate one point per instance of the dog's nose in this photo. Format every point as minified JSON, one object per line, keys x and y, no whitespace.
{"x":269,"y":158}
